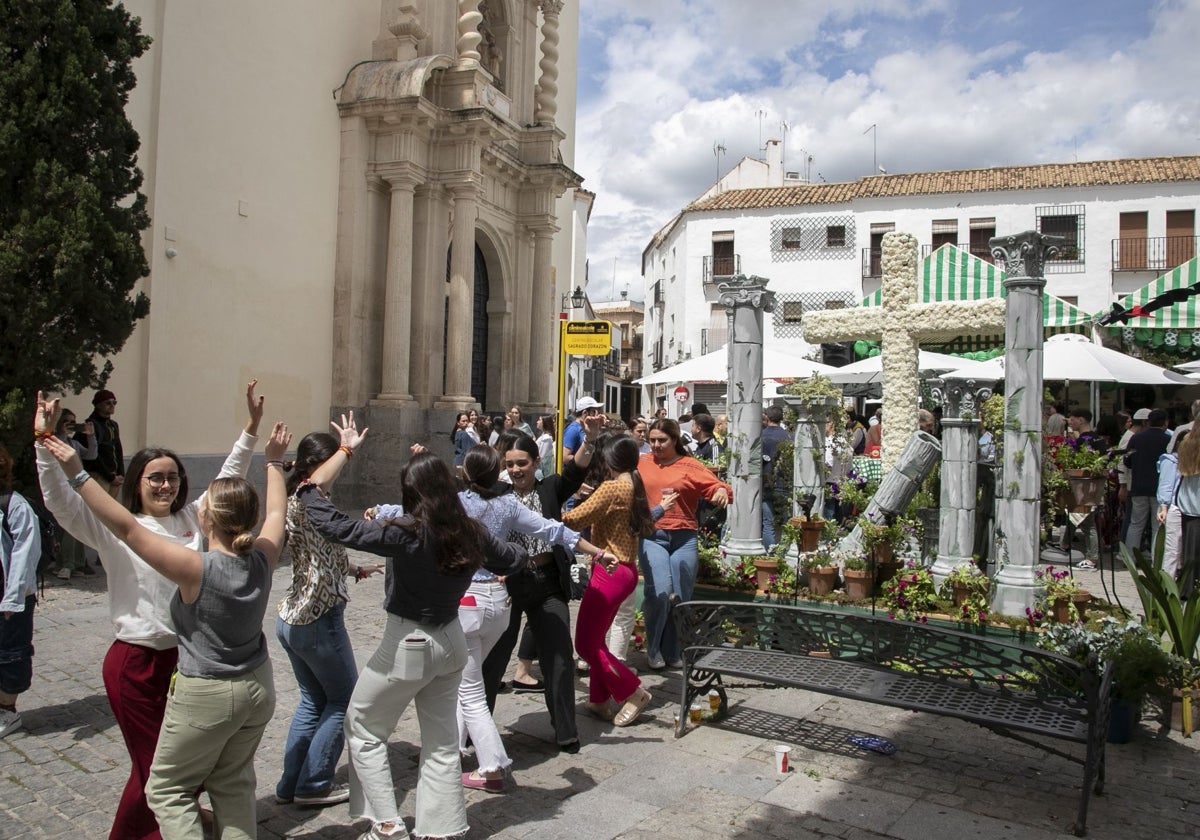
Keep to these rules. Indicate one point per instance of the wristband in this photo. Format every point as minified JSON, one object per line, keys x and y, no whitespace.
{"x":42,"y":435}
{"x":598,"y":556}
{"x":349,"y":452}
{"x":79,"y":479}
{"x":274,"y":464}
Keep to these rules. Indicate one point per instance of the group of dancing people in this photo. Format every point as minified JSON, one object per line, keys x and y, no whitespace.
{"x":465,"y":557}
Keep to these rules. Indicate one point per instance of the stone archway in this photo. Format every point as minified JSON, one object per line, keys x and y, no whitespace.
{"x":479,"y":336}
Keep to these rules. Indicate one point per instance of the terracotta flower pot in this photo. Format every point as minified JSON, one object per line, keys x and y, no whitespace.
{"x":822,"y":580}
{"x":810,"y":534}
{"x":1060,"y":608}
{"x":886,"y":570}
{"x":859,"y":583}
{"x":765,"y":568}
{"x":961,"y":593}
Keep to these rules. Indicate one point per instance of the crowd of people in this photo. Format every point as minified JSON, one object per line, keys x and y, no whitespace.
{"x":472,"y":550}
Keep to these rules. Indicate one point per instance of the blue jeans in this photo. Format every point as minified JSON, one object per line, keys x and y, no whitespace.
{"x":768,"y":528}
{"x":323,"y":662}
{"x":669,"y":562}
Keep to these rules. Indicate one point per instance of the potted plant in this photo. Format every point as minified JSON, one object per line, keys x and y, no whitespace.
{"x":765,"y":567}
{"x":969,"y":590}
{"x":880,"y":540}
{"x":859,"y":579}
{"x":811,"y":528}
{"x":1086,"y":469}
{"x":1062,"y":597}
{"x":784,"y":582}
{"x":821,"y":570}
{"x":910,"y":595}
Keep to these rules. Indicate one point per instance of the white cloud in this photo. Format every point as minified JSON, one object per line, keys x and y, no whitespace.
{"x":945,"y":89}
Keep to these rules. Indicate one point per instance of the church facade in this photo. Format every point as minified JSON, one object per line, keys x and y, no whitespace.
{"x":367,"y":205}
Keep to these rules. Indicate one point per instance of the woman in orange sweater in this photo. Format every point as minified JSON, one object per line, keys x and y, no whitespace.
{"x":669,"y":558}
{"x":619,"y":517}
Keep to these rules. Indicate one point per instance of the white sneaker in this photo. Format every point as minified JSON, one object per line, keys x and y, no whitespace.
{"x":63,"y":574}
{"x":375,"y":833}
{"x":9,"y":722}
{"x":656,"y":663}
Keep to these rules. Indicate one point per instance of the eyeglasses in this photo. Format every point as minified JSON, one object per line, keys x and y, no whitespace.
{"x":157,"y":480}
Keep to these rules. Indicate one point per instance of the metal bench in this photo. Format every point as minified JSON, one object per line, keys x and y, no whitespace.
{"x":1003,"y":686}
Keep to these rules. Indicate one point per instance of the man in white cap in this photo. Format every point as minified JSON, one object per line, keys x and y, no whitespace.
{"x":572,"y":436}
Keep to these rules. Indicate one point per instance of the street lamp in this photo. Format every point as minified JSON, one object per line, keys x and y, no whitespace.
{"x":576,"y":299}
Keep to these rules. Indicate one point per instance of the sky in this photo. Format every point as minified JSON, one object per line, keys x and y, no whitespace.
{"x":948,"y":84}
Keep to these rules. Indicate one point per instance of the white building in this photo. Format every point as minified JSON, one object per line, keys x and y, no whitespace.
{"x":1126,"y":222}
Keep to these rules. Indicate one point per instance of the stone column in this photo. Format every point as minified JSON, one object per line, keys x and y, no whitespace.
{"x":960,"y":471}
{"x":746,"y":299}
{"x":398,"y":297}
{"x":1019,"y":490}
{"x":546,"y":101}
{"x":543,"y":348}
{"x":461,"y":323}
{"x":809,"y":472}
{"x":467,"y":44}
{"x":898,"y":486}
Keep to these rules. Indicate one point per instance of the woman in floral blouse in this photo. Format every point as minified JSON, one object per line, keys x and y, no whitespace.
{"x":312,"y":630}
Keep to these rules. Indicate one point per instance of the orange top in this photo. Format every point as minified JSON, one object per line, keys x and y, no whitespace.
{"x":689,"y":478}
{"x":606,"y":511}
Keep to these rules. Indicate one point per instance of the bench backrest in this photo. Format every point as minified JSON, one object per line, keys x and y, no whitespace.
{"x":879,"y":642}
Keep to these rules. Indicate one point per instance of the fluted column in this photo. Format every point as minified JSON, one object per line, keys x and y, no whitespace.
{"x":1019,"y":509}
{"x":544,"y":327}
{"x":547,"y":93}
{"x":461,"y":322}
{"x":959,"y":478}
{"x":467,"y":44}
{"x":398,"y":298}
{"x":746,"y":299}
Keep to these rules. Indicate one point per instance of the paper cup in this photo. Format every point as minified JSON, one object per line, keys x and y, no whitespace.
{"x":781,"y":758}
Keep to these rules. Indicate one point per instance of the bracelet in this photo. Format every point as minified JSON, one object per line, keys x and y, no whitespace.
{"x":359,"y":574}
{"x":349,"y":452}
{"x":42,"y":435}
{"x":274,"y":464}
{"x":598,"y":556}
{"x":79,"y":479}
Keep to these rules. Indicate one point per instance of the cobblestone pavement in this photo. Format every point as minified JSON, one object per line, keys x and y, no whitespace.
{"x":63,"y":773}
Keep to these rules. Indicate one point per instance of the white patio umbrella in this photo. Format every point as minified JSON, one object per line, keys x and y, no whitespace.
{"x":1071,"y":357}
{"x":1189,"y":367}
{"x":713,"y":367}
{"x":868,"y":370}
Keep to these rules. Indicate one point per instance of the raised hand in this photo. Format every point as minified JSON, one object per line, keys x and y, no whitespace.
{"x":349,"y":432}
{"x":65,"y":454}
{"x":277,"y":445}
{"x":254,"y":407}
{"x":45,"y":419}
{"x":593,"y":424}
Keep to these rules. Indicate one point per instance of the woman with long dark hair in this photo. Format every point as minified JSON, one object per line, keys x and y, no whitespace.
{"x":669,"y":558}
{"x":311,"y":629}
{"x":432,"y":552}
{"x":223,"y":695}
{"x":462,"y":437}
{"x":619,"y":517}
{"x":139,"y":663}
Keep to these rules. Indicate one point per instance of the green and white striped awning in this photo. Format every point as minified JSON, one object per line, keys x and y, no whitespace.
{"x":951,"y":273}
{"x":1179,"y":316}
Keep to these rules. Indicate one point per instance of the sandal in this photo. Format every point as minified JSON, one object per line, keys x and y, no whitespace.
{"x":632,"y":708}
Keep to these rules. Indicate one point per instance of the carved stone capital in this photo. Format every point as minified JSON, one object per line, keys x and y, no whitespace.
{"x":551,"y":7}
{"x":962,"y":398}
{"x":1024,"y":254}
{"x":741,"y":290}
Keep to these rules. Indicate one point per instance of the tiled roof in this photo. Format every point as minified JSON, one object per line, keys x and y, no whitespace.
{"x":1044,"y":176}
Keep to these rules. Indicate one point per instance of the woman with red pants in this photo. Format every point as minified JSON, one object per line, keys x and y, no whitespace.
{"x":619,"y":517}
{"x":138,"y":665}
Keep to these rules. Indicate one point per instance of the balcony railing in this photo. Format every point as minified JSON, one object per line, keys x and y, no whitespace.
{"x":713,"y":339}
{"x":1154,"y":253}
{"x":872,"y":262}
{"x":658,"y":294}
{"x":718,"y":267}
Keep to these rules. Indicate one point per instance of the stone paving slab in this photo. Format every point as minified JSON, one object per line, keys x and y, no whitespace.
{"x":63,"y":774}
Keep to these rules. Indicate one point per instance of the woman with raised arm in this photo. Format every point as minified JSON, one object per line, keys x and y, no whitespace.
{"x":223,"y":695}
{"x":311,"y":628}
{"x":619,"y":517}
{"x":433,"y":551}
{"x":139,"y":664}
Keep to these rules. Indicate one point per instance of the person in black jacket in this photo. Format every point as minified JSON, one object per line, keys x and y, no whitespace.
{"x":432,"y":552}
{"x":108,"y":468}
{"x":542,"y":594}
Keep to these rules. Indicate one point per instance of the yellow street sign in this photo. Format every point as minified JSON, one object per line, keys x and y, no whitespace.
{"x":587,"y":338}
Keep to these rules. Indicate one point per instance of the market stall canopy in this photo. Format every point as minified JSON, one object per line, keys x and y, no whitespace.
{"x":1182,"y":315}
{"x":713,"y":367}
{"x":1075,"y":358}
{"x":950,"y":273}
{"x":869,"y":370}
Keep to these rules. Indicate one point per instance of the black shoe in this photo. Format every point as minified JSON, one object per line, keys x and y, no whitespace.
{"x":535,"y":687}
{"x":571,"y":747}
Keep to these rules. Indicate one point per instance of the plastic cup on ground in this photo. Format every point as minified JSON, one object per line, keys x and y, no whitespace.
{"x":714,"y":700}
{"x":695,"y":712}
{"x":781,"y":758}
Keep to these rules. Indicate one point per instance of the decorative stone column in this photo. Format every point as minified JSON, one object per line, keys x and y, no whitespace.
{"x":398,"y":296}
{"x":467,"y":44}
{"x":960,"y":470}
{"x":1019,"y":490}
{"x":746,"y":299}
{"x":898,"y":487}
{"x":461,"y":322}
{"x":809,"y":472}
{"x":543,"y":349}
{"x":546,"y":101}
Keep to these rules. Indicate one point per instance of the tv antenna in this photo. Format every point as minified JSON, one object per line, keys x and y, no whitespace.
{"x":718,"y":150}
